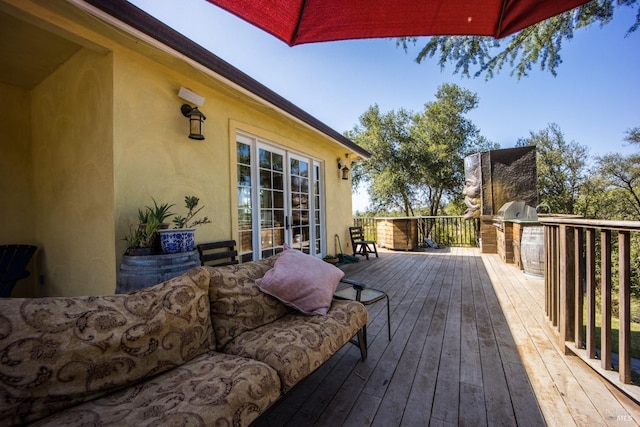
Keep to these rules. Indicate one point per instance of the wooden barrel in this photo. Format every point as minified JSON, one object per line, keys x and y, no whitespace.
{"x":532,"y":250}
{"x":138,"y":272}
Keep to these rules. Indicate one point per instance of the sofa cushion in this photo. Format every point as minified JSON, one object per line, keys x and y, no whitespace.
{"x":237,"y":305}
{"x":58,"y":352}
{"x":213,"y":389}
{"x":302,"y":281}
{"x":296,"y":344}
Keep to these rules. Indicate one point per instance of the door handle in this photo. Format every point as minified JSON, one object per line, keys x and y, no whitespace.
{"x":286,"y":222}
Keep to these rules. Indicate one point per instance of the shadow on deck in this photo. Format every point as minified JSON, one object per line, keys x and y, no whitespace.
{"x":469,"y":347}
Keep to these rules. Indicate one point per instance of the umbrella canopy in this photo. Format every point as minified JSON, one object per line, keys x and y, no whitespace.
{"x":307,"y":21}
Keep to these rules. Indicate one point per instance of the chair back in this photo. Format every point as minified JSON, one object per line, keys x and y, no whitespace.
{"x":13,"y":264}
{"x":218,"y":253}
{"x":357,"y":234}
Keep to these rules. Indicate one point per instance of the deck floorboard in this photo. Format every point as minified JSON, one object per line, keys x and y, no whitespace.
{"x":470,"y":346}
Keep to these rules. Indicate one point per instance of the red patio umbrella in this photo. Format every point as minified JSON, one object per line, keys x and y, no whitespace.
{"x":307,"y":21}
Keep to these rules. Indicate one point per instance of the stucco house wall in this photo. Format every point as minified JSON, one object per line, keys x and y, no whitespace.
{"x":102,"y":134}
{"x":72,"y":172}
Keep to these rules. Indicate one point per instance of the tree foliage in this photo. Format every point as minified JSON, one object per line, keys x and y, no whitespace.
{"x":417,"y":159}
{"x":538,"y":44}
{"x":619,"y":175}
{"x":561,"y":168}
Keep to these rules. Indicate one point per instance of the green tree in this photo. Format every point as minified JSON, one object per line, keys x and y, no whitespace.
{"x":594,"y":200}
{"x":538,"y":44}
{"x":417,"y":159}
{"x":561,"y":167}
{"x":633,"y":136}
{"x":388,"y":171}
{"x":621,"y":177}
{"x":613,"y":192}
{"x":447,"y":137}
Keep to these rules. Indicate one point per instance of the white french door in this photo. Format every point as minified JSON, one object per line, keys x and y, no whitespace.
{"x":279,"y":200}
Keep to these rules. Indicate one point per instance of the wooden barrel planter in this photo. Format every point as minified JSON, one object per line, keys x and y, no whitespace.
{"x":532,"y":250}
{"x":138,"y":272}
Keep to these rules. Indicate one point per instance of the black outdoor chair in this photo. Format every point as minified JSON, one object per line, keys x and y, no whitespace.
{"x":215,"y":254}
{"x":367,"y":296}
{"x":360,"y":245}
{"x":13,"y":264}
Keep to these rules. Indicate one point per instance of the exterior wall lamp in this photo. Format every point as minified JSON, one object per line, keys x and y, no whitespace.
{"x":195,"y":121}
{"x":343,"y":168}
{"x":195,"y":116}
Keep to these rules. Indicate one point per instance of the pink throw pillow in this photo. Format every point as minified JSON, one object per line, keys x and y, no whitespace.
{"x":302,"y":282}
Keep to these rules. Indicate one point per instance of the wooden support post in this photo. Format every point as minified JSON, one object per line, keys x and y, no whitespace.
{"x":567,"y":285}
{"x":579,"y":281}
{"x":551,"y":279}
{"x":547,"y":270}
{"x":624,"y":343}
{"x":605,"y":294}
{"x":590,"y":274}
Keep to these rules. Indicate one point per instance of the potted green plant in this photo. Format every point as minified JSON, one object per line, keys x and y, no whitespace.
{"x":160,"y":212}
{"x":146,"y":235}
{"x":331,"y":259}
{"x":141,"y":239}
{"x":182,"y":237}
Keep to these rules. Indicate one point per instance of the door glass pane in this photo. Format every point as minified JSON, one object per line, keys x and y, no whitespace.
{"x":265,"y":178}
{"x":278,"y":217}
{"x":245,"y":212}
{"x":278,"y":199}
{"x":317,"y":209}
{"x":272,"y":209}
{"x":277,"y":162}
{"x":266,"y":198}
{"x":277,"y":180}
{"x":244,"y":154}
{"x":295,"y":167}
{"x":304,"y":169}
{"x":265,"y":159}
{"x":300,"y":231}
{"x":244,"y":175}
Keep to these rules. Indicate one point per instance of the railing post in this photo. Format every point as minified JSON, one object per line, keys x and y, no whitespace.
{"x":591,"y":293}
{"x":579,"y":279}
{"x":551,"y":272}
{"x":605,"y":291}
{"x":624,"y":342}
{"x":567,"y":285}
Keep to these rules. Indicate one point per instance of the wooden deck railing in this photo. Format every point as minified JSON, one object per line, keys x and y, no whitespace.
{"x":368,"y":224}
{"x":443,"y":230}
{"x":572,"y":275}
{"x":449,"y":230}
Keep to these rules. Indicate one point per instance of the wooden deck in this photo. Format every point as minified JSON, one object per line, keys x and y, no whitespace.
{"x":469,"y":347}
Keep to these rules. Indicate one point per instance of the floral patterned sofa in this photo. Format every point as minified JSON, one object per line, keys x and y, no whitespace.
{"x":206,"y":348}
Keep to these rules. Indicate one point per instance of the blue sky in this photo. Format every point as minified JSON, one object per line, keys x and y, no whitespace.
{"x":594,"y":99}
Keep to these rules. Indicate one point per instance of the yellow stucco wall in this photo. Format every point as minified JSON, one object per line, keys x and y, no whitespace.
{"x":16,"y":187}
{"x":104,"y":135}
{"x":15,"y":167}
{"x":155,"y":158}
{"x":72,"y":169}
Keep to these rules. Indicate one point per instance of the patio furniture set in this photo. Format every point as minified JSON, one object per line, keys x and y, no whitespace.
{"x":212,"y":346}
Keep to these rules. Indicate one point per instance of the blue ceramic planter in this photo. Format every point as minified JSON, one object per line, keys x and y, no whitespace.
{"x":177,"y":240}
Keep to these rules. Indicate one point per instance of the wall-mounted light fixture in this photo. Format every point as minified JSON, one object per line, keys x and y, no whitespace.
{"x":343,"y":168}
{"x":195,"y":116}
{"x":195,"y":121}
